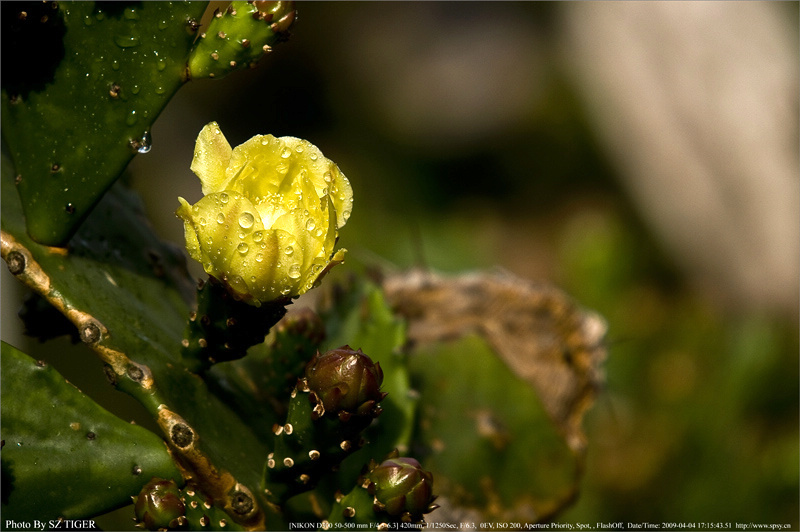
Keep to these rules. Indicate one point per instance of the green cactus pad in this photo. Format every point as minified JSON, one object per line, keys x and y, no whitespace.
{"x":128,"y":293}
{"x":72,"y":136}
{"x":63,"y":454}
{"x":489,"y":442}
{"x":240,"y":35}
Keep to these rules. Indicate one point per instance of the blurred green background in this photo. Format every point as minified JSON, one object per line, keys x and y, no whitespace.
{"x":643,"y":157}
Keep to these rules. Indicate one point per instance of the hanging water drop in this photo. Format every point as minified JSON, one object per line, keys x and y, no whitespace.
{"x":145,"y":143}
{"x":294,"y":271}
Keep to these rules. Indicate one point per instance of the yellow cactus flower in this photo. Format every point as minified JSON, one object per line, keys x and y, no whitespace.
{"x":269,"y":219}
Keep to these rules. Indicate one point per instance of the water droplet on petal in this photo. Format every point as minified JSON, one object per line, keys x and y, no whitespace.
{"x":258,"y":236}
{"x":246,"y":220}
{"x":242,"y":248}
{"x":310,"y":225}
{"x":289,"y":250}
{"x":285,"y":291}
{"x":294,"y":271}
{"x":285,"y":153}
{"x":223,"y":197}
{"x":220,"y":218}
{"x":259,"y":257}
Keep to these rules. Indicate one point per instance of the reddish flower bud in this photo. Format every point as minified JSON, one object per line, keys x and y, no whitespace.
{"x":159,"y":505}
{"x":345,"y":380}
{"x":402,"y":488}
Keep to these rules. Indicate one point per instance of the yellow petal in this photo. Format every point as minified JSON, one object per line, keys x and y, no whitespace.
{"x":212,"y":155}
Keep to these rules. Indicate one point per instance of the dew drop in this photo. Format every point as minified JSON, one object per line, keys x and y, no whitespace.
{"x":294,"y":271}
{"x":318,"y":232}
{"x":313,"y":156}
{"x":131,"y":14}
{"x":285,"y":153}
{"x":115,"y":65}
{"x":289,"y":250}
{"x":246,"y":220}
{"x":160,"y":89}
{"x":162,"y":24}
{"x":310,"y":225}
{"x":242,"y":248}
{"x":220,"y":218}
{"x":70,"y":208}
{"x":87,"y":20}
{"x":259,"y":257}
{"x":299,"y":148}
{"x":285,"y":291}
{"x":132,"y":118}
{"x":223,"y":197}
{"x":161,"y":64}
{"x":126,"y":41}
{"x":258,"y":236}
{"x":135,"y":89}
{"x":203,"y":222}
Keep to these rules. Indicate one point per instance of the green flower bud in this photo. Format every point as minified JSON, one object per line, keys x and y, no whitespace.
{"x":269,"y":220}
{"x":159,"y":505}
{"x":345,"y":380}
{"x":402,"y":488}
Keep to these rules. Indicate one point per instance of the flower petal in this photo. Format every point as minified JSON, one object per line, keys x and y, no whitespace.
{"x":212,"y":153}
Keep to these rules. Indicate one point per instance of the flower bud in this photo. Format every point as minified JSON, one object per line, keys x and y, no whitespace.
{"x":159,"y":505}
{"x":402,"y":487}
{"x":269,"y":220}
{"x":345,"y":380}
